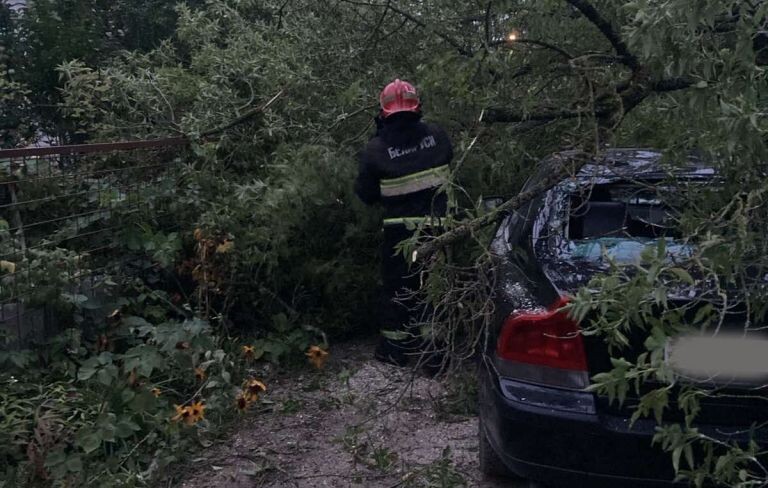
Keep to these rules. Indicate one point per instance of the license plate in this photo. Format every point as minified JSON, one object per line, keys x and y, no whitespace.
{"x":721,"y":359}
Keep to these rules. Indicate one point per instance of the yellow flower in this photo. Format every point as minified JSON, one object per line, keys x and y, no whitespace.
{"x":317,"y":356}
{"x":157,"y":392}
{"x":253,"y":388}
{"x":200,"y":374}
{"x":197,"y":412}
{"x":256,"y":385}
{"x":248,"y":352}
{"x":190,"y":415}
{"x":182,"y":414}
{"x":242,"y":402}
{"x":225,"y":247}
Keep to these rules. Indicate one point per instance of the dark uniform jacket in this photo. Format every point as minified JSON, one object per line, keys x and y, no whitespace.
{"x":403,"y":166}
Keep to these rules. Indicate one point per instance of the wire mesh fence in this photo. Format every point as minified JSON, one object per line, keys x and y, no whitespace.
{"x":63,"y":214}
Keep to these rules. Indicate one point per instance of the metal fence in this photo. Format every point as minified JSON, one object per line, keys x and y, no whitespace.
{"x":63,"y":213}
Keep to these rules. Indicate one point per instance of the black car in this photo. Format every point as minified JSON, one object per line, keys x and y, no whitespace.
{"x":537,"y":421}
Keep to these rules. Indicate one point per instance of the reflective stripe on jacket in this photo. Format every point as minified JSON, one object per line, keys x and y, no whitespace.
{"x":403,"y":167}
{"x":415,"y":182}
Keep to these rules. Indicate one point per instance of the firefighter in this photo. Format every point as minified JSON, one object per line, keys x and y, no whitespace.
{"x":403,"y":167}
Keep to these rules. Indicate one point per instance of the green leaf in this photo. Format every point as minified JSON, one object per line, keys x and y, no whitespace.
{"x":126,"y":428}
{"x":676,"y":453}
{"x":127,"y":395}
{"x":55,"y":458}
{"x":88,"y":440}
{"x":703,"y":313}
{"x":143,"y":401}
{"x":682,"y":275}
{"x":138,"y":322}
{"x":722,"y":462}
{"x":396,"y":335}
{"x":144,"y":359}
{"x":688,"y":451}
{"x":87,"y":369}
{"x":74,"y":464}
{"x":107,"y":375}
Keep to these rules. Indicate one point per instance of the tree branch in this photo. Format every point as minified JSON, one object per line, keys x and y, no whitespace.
{"x":394,"y":31}
{"x":243,"y":118}
{"x":453,"y":42}
{"x":633,"y":93}
{"x":630,"y":92}
{"x":378,"y":24}
{"x":672,"y":84}
{"x":608,"y":31}
{"x":535,"y":42}
{"x":568,"y":165}
{"x":506,"y":115}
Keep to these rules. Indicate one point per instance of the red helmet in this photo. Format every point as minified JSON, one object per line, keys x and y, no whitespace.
{"x":399,"y":96}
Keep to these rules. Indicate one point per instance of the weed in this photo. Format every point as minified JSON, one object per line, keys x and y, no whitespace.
{"x":345,"y":375}
{"x":350,"y":440}
{"x":316,"y":383}
{"x":461,"y":395}
{"x":441,"y":473}
{"x":328,"y":403}
{"x":383,"y":458}
{"x":291,"y":406}
{"x":380,"y":458}
{"x":348,"y":399}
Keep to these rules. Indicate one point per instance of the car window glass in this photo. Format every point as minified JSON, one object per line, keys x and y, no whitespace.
{"x":620,"y":221}
{"x":619,"y":211}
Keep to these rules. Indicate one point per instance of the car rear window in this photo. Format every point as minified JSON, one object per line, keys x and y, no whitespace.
{"x":619,"y":211}
{"x":620,"y":220}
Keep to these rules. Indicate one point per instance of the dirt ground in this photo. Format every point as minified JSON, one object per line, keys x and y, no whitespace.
{"x":358,"y":423}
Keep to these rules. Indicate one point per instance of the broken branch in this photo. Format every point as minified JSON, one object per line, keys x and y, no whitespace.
{"x":568,"y":164}
{"x":608,"y":31}
{"x":243,"y":118}
{"x":506,"y":115}
{"x":535,"y":42}
{"x":420,"y":23}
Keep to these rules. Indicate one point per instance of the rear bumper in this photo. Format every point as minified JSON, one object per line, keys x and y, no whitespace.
{"x":572,"y":449}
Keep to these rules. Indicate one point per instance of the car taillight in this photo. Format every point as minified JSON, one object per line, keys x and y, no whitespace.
{"x":548,"y":338}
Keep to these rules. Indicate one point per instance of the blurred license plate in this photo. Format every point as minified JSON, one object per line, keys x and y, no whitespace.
{"x":720,"y":359}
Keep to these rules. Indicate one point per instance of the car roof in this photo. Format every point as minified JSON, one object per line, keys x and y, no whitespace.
{"x":635,"y":164}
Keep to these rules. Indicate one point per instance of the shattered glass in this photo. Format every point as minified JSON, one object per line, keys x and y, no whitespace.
{"x":622,"y":250}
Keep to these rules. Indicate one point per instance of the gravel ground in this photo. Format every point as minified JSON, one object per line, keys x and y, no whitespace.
{"x":358,"y":423}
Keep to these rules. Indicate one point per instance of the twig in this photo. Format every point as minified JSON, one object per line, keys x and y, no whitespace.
{"x":488,"y":24}
{"x":345,"y":117}
{"x":502,"y":114}
{"x":376,"y":29}
{"x":243,"y":118}
{"x":608,"y":31}
{"x":453,"y":42}
{"x":535,"y":42}
{"x":124,"y":460}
